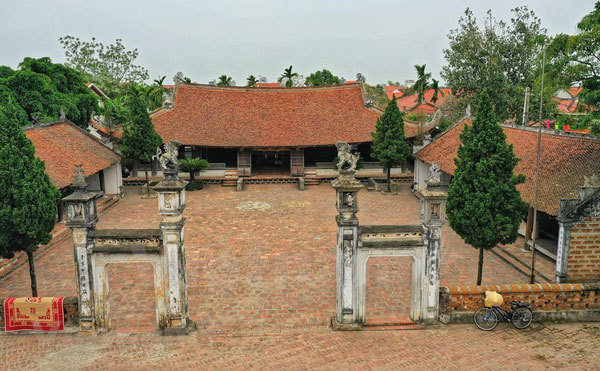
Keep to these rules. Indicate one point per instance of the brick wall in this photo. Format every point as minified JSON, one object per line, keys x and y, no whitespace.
{"x":583,"y":263}
{"x":543,"y":297}
{"x":70,"y":309}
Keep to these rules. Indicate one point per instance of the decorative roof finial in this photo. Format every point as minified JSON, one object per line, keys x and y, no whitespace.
{"x":79,"y":183}
{"x":62,"y":116}
{"x":178,"y":78}
{"x":468,"y":110}
{"x":360,"y":78}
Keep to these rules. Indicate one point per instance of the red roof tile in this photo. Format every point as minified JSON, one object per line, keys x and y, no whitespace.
{"x":62,"y":145}
{"x":575,"y":90}
{"x":267,"y":85}
{"x":564,"y":161}
{"x":212,"y":116}
{"x":408,"y":103}
{"x":101,"y":128}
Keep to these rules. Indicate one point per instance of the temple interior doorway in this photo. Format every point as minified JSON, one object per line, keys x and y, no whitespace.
{"x":271,"y":162}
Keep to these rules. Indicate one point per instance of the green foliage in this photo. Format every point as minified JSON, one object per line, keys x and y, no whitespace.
{"x":484,"y":206}
{"x":193,"y":165}
{"x":106,"y":65}
{"x":416,"y":116}
{"x":139,"y":141}
{"x":287,"y":75}
{"x":321,"y":78}
{"x":576,"y":59}
{"x":29,"y":199}
{"x":502,"y":57}
{"x":389,"y":144}
{"x":378,"y":94}
{"x":40,"y":89}
{"x":251,"y":81}
{"x":224,"y":80}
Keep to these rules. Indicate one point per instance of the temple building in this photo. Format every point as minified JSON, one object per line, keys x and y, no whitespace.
{"x":565,"y":160}
{"x":62,"y":145}
{"x":270,"y":130}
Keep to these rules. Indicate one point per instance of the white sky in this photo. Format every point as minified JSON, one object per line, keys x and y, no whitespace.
{"x":204,"y":39}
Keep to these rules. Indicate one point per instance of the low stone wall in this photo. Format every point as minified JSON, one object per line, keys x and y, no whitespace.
{"x":70,"y":309}
{"x":576,"y":302}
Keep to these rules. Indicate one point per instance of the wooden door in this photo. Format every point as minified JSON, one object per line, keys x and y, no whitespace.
{"x":297,"y":162}
{"x":244,"y":162}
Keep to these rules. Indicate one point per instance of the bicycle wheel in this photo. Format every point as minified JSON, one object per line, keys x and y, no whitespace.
{"x":485,"y":319}
{"x":521,"y":317}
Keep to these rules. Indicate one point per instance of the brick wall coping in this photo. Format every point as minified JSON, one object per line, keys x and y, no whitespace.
{"x":519,"y":288}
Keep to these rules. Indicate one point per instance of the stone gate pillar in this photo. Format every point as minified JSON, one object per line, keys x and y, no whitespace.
{"x":81,"y":218}
{"x":346,"y":187}
{"x":433,"y":216}
{"x":171,"y":204}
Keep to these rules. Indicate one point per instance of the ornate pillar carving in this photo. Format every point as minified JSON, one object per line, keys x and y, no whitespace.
{"x":346,"y":187}
{"x":171,"y":204}
{"x":81,"y":218}
{"x":433,"y":215}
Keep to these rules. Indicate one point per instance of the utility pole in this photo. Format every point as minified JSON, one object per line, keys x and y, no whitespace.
{"x":526,"y":107}
{"x":537,"y":173}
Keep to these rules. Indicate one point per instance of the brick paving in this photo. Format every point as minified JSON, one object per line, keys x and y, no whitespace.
{"x":261,"y":282}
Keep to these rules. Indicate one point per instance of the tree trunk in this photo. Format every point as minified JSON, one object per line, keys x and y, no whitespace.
{"x":192,"y":176}
{"x":480,"y":267}
{"x":34,"y":292}
{"x":389,"y":179}
{"x":147,"y":181}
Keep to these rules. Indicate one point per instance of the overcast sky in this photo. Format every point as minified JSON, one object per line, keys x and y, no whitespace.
{"x":204,"y":39}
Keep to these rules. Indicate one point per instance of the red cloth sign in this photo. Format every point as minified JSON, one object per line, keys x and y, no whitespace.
{"x":44,"y":314}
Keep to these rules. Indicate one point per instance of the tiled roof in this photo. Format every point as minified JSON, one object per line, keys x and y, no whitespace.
{"x":212,"y":116}
{"x":267,"y":85}
{"x":408,"y":103}
{"x":564,"y":160}
{"x":62,"y":145}
{"x":118,"y":133}
{"x":566,"y":105}
{"x":393,"y":91}
{"x":575,"y":90}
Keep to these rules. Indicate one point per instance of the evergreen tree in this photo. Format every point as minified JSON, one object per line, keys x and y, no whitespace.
{"x":389,"y":144}
{"x":484,"y":206}
{"x":29,"y":199}
{"x":139,"y":141}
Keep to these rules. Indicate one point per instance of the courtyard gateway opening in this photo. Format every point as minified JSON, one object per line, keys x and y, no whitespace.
{"x":388,"y":294}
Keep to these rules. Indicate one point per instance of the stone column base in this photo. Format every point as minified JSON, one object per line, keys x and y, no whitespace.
{"x":338,"y":326}
{"x":174,"y":331}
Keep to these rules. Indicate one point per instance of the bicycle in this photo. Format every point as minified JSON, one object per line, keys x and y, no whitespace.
{"x":520,"y":315}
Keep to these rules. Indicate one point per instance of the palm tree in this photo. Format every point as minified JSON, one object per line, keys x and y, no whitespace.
{"x":421,"y":85}
{"x":435,"y":86}
{"x":251,"y":81}
{"x":224,"y":80}
{"x":288,"y":75}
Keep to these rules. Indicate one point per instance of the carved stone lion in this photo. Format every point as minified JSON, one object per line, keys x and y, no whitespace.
{"x":347,"y":161}
{"x":168,"y":159}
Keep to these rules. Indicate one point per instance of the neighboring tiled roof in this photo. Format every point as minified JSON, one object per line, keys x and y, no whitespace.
{"x":393,"y":91}
{"x":267,"y":85}
{"x":101,"y":128}
{"x":566,"y":105}
{"x":62,"y":145}
{"x":575,"y":90}
{"x":565,"y":159}
{"x":212,"y":116}
{"x":408,"y":103}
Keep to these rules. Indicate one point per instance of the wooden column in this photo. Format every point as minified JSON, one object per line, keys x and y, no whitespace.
{"x":297,"y":162}
{"x":244,"y":162}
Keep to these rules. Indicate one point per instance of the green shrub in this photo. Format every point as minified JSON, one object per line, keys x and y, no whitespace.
{"x":195,"y":184}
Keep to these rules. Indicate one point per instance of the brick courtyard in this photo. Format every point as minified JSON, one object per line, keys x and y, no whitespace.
{"x":261,"y":284}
